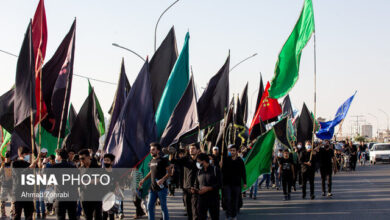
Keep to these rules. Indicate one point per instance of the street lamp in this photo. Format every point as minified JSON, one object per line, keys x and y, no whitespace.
{"x":387,"y":116}
{"x":155,"y":29}
{"x":377,"y":124}
{"x":242,"y":61}
{"x":117,"y":45}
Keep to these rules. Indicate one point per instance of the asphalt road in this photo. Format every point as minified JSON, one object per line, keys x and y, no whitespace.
{"x":362,"y":194}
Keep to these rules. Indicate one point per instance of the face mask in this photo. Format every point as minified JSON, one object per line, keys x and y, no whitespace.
{"x":229,"y":154}
{"x":211,"y":162}
{"x":107,"y":165}
{"x":299,"y":146}
{"x":199,"y":165}
{"x":58,"y":161}
{"x":280,"y":154}
{"x":308,"y":147}
{"x":27,"y":158}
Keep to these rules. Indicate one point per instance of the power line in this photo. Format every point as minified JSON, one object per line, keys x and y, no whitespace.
{"x":97,"y":80}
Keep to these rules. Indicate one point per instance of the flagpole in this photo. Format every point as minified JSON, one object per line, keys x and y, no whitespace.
{"x":62,"y":113}
{"x":315,"y":93}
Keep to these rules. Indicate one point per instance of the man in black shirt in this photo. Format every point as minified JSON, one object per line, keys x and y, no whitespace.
{"x":286,"y":166}
{"x":306,"y":159}
{"x":18,"y":167}
{"x":92,"y":209}
{"x":326,"y":158}
{"x":234,"y":174}
{"x":159,"y":173}
{"x":207,"y":185}
{"x":188,"y":164}
{"x":354,"y":155}
{"x":65,"y":205}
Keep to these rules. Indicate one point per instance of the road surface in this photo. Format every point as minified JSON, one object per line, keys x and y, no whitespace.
{"x":362,"y":194}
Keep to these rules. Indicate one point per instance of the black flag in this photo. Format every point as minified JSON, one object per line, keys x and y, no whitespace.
{"x":304,"y":126}
{"x":260,"y":94}
{"x":280,"y":129}
{"x":85,"y":131}
{"x":72,"y":116}
{"x":257,"y":130}
{"x":287,"y":107}
{"x":135,"y":128}
{"x":121,"y":93}
{"x":225,"y":136}
{"x":7,"y":110}
{"x":242,"y":108}
{"x":215,"y":99}
{"x":57,"y":76}
{"x":161,"y":65}
{"x":24,"y":95}
{"x":184,"y":118}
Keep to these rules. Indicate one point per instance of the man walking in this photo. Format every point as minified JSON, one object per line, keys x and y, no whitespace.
{"x":159,"y":173}
{"x":188,"y":164}
{"x":233,"y":173}
{"x":307,"y":162}
{"x":326,"y":158}
{"x":207,"y":185}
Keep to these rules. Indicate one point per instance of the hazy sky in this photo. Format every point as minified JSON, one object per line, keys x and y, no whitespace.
{"x":352,"y":45}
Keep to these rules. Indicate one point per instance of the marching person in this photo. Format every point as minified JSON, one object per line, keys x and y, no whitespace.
{"x":327,"y":159}
{"x":92,"y":209}
{"x":233,"y":173}
{"x":287,"y":173}
{"x":207,"y":185}
{"x":188,"y":163}
{"x":6,"y":180}
{"x":306,"y":159}
{"x":108,"y":160}
{"x":62,"y":207}
{"x":22,"y":163}
{"x":159,"y":173}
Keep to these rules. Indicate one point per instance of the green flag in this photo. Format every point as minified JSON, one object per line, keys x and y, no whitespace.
{"x":287,"y":67}
{"x":102,"y":126}
{"x":5,"y":141}
{"x":259,"y":158}
{"x":174,"y":89}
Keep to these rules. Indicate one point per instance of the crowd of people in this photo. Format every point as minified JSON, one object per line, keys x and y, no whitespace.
{"x":208,"y":181}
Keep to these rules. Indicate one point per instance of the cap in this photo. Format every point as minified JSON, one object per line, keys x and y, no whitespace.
{"x":43,"y":150}
{"x":215,"y":148}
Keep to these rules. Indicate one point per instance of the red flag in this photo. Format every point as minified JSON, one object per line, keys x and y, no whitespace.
{"x":39,"y":37}
{"x":268,"y":108}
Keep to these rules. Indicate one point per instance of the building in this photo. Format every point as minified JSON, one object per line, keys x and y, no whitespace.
{"x":367,"y":131}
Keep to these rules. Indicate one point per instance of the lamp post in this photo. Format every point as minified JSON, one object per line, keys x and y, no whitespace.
{"x":242,"y":61}
{"x":155,"y":29}
{"x":387,"y":116}
{"x":377,"y":124}
{"x":131,"y":51}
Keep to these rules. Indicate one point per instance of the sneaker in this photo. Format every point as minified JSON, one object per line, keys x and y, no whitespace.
{"x":330,"y":194}
{"x":277,"y":188}
{"x":254,"y":198}
{"x":323,"y":194}
{"x":44,"y":216}
{"x":289,"y":197}
{"x":121,"y":216}
{"x":303,"y":196}
{"x":285,"y":198}
{"x":294,"y":188}
{"x":38,"y":215}
{"x":312,"y":197}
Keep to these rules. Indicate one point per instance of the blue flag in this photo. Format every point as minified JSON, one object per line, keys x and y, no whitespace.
{"x":135,"y":127}
{"x":327,"y":128}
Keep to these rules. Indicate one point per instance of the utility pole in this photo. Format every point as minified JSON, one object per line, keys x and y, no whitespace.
{"x":357,"y":122}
